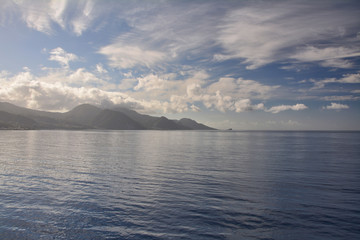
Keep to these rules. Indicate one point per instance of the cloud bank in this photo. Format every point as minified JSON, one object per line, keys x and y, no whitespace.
{"x":62,"y":89}
{"x":280,"y":108}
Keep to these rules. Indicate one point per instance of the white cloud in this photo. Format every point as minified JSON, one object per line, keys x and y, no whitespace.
{"x":280,"y":108}
{"x":265,"y":32}
{"x":337,"y":63}
{"x":329,"y":57}
{"x":82,"y":77}
{"x":25,"y":89}
{"x":336,"y":106}
{"x":41,"y":15}
{"x":226,"y":94}
{"x":340,"y":98}
{"x":163,"y":32}
{"x":246,"y":105}
{"x":4,"y":74}
{"x":60,"y":55}
{"x":57,"y":11}
{"x":62,"y":89}
{"x":311,"y":53}
{"x":195,"y":108}
{"x":216,"y":100}
{"x":82,"y":21}
{"x":347,"y":78}
{"x":242,"y":88}
{"x":151,"y":82}
{"x":121,"y":56}
{"x":36,"y":15}
{"x":100,"y":68}
{"x":350,"y":78}
{"x":258,"y":32}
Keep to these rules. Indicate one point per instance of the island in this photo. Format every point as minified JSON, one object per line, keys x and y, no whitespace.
{"x":88,"y":116}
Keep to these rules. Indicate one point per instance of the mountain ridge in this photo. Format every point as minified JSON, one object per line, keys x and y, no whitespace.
{"x":87,"y":116}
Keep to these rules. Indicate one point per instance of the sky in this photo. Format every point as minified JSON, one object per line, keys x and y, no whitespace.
{"x":246,"y":65}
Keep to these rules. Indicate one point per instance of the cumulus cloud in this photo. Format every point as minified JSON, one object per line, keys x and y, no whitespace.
{"x":336,"y":106}
{"x":28,"y":90}
{"x":225,"y":94}
{"x":4,"y":74}
{"x":280,"y":108}
{"x":62,"y":89}
{"x":60,"y":55}
{"x":151,"y":82}
{"x":219,"y":101}
{"x":83,"y":78}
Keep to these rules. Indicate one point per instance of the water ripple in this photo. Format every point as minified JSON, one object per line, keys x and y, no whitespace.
{"x":184,"y":185}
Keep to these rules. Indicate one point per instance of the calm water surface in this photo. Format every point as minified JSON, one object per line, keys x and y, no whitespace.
{"x":179,"y":185}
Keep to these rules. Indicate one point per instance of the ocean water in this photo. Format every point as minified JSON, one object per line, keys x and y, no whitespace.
{"x":179,"y":185}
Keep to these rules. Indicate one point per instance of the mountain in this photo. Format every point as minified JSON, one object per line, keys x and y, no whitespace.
{"x":156,"y":123}
{"x":163,"y":123}
{"x":191,"y":124}
{"x":145,"y":120}
{"x":108,"y":119}
{"x":83,"y":115}
{"x":13,"y":121}
{"x":87,"y":116}
{"x":11,"y":108}
{"x":42,"y":119}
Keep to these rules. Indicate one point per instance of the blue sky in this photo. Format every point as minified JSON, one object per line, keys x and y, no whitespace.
{"x":279,"y":65}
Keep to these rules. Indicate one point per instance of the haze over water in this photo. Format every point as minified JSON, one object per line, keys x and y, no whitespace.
{"x":179,"y":185}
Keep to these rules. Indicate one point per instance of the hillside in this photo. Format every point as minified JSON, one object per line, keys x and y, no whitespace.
{"x":87,"y":116}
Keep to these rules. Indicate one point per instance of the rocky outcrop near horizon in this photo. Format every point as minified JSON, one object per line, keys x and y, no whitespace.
{"x":86,"y":116}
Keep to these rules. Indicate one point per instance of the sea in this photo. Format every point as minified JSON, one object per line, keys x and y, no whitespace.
{"x":160,"y":185}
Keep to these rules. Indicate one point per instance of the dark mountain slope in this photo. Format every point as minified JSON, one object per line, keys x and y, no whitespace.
{"x":43,"y":120}
{"x":13,"y":121}
{"x":108,"y":119}
{"x":191,"y":124}
{"x":83,"y":114}
{"x":11,"y":108}
{"x":145,"y":120}
{"x":87,"y":116}
{"x":163,"y":123}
